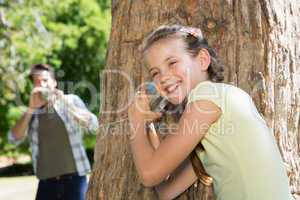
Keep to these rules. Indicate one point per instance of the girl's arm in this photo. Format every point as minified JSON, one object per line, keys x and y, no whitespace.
{"x":181,"y":179}
{"x":154,"y":165}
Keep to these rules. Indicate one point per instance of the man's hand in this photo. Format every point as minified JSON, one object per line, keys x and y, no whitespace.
{"x":58,"y":93}
{"x":54,"y":95}
{"x":82,"y":117}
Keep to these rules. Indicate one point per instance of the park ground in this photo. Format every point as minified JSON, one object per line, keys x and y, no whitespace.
{"x":18,"y":188}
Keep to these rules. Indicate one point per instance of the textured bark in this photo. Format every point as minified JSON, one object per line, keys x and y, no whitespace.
{"x":257,"y":40}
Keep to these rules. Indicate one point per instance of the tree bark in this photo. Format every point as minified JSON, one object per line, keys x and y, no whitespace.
{"x":258,"y":42}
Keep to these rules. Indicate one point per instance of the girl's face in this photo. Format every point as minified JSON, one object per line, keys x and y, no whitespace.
{"x":174,"y":71}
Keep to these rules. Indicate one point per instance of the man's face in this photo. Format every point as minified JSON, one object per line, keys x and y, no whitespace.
{"x":43,"y":78}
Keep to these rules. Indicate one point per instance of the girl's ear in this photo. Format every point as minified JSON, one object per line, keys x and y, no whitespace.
{"x":204,"y":59}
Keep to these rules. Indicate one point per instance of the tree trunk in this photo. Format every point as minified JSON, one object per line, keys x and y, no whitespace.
{"x":258,"y":41}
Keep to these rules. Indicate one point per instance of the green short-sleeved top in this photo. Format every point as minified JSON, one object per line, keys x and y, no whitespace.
{"x":240,"y":151}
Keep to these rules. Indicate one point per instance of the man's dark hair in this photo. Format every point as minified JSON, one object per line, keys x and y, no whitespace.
{"x":41,"y":67}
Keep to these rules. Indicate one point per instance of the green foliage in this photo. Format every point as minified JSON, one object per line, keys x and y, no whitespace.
{"x":71,"y":35}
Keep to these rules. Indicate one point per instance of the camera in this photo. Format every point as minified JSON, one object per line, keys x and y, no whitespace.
{"x":161,"y":104}
{"x":157,"y":102}
{"x":45,"y":93}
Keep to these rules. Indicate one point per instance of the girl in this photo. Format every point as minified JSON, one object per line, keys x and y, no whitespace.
{"x":240,"y":152}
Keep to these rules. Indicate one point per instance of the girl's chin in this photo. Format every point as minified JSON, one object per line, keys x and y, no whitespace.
{"x":177,"y":96}
{"x":176,"y":100}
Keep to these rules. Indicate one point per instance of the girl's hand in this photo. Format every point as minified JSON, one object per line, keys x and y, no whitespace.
{"x":153,"y":136}
{"x":139,"y":111}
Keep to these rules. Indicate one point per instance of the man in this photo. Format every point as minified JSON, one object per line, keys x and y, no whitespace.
{"x":54,"y":123}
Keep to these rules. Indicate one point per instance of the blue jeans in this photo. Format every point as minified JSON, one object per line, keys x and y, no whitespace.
{"x":65,"y":187}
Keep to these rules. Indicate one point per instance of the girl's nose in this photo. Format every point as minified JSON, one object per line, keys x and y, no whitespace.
{"x":164,"y":79}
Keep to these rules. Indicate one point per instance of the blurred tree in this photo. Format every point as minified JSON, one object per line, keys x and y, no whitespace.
{"x":258,"y":41}
{"x":71,"y":35}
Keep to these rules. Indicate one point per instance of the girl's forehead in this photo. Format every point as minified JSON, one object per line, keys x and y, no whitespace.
{"x":165,"y":48}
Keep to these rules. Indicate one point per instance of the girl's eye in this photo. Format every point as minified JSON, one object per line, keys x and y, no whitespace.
{"x":173,"y":62}
{"x":154,"y":74}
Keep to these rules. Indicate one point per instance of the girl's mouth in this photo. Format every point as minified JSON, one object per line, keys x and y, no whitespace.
{"x":172,"y":88}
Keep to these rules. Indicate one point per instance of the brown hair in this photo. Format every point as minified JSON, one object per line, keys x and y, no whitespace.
{"x":194,"y":41}
{"x":41,"y":67}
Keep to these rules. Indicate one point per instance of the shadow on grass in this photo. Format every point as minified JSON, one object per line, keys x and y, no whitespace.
{"x":16,"y":170}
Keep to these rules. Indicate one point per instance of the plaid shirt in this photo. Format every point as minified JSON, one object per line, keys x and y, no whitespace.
{"x":74,"y":130}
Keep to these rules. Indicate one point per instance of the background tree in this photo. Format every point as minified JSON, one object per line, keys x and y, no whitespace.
{"x":71,"y":35}
{"x":258,"y":41}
